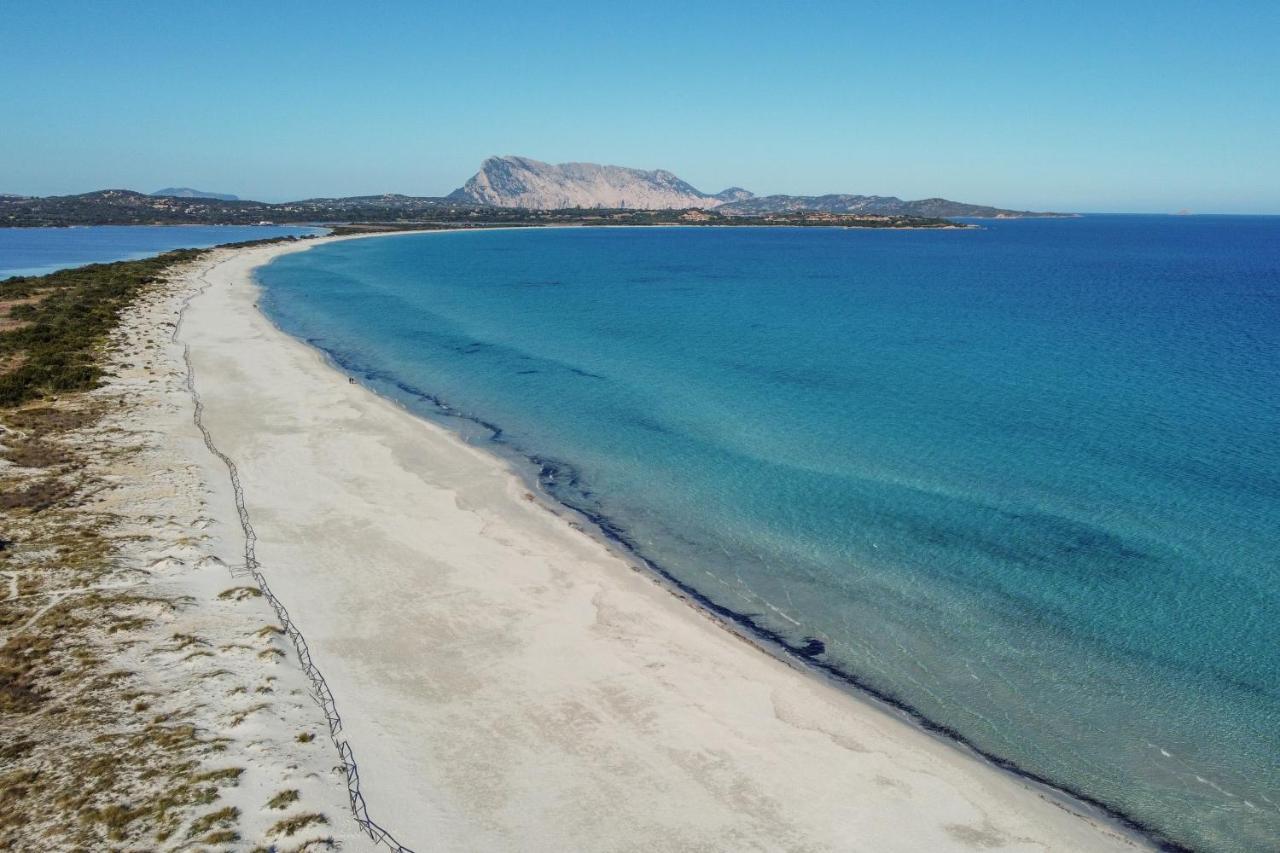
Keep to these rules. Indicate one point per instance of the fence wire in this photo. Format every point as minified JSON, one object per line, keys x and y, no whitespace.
{"x":320,"y":688}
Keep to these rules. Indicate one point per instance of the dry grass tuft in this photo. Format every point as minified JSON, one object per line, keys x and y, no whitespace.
{"x":240,"y":593}
{"x":220,"y":818}
{"x":284,"y":799}
{"x":290,"y":826}
{"x":241,"y":716}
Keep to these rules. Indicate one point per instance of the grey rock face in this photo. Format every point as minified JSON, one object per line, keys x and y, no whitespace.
{"x":522,"y":182}
{"x":525,"y":183}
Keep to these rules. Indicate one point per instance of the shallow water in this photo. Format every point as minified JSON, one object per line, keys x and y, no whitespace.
{"x":1024,"y":480}
{"x":39,"y":251}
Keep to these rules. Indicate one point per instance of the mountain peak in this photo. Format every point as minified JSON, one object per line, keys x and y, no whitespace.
{"x":524,"y":182}
{"x":734,"y":194}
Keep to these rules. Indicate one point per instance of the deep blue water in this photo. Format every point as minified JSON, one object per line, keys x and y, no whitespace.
{"x":1024,"y":480}
{"x":38,"y":251}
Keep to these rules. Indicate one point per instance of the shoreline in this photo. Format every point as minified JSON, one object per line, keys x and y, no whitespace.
{"x":532,"y":471}
{"x":854,"y":697}
{"x":148,"y":697}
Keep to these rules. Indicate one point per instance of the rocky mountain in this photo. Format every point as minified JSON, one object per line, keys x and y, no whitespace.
{"x":187,"y":192}
{"x":505,"y":189}
{"x":532,"y":184}
{"x":867,"y":204}
{"x":522,"y":182}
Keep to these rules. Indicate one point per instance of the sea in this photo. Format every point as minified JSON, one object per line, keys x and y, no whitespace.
{"x":1021,"y":482}
{"x":40,"y":251}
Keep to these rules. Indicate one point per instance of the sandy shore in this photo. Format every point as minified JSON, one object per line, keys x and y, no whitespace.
{"x":162,"y":709}
{"x":508,"y":683}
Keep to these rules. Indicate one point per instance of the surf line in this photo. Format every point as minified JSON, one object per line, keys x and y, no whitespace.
{"x":808,"y":652}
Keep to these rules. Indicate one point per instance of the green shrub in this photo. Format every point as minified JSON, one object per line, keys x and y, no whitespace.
{"x":57,"y":349}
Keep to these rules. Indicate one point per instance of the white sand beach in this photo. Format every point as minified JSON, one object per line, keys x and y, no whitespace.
{"x":509,"y":683}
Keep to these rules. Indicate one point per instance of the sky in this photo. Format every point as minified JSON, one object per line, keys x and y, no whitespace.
{"x":1075,"y":106}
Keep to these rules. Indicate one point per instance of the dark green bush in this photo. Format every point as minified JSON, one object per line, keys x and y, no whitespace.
{"x":58,"y":348}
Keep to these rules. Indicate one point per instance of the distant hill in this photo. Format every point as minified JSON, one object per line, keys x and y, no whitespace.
{"x":502,"y":189}
{"x":531,"y":184}
{"x":507,"y":189}
{"x":873,"y":204}
{"x":734,"y":194}
{"x":187,"y":192}
{"x":126,"y":207}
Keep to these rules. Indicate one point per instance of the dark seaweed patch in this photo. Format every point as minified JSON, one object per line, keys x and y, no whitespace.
{"x":812,"y":647}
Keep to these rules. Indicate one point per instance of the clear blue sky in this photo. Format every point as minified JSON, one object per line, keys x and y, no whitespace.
{"x":1094,"y":106}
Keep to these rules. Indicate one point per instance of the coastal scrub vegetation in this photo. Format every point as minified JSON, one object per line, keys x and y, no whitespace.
{"x":56,"y":325}
{"x":54,"y":328}
{"x":84,"y":750}
{"x":99,"y":749}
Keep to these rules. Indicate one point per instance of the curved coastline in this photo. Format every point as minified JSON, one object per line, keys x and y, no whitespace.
{"x":807,"y":656}
{"x":536,"y":469}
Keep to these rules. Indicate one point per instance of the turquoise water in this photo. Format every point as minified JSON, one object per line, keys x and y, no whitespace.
{"x":39,"y":251}
{"x":1023,"y":481}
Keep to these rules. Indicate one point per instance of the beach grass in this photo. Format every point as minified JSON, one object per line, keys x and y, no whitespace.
{"x":58,"y":324}
{"x":99,"y":746}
